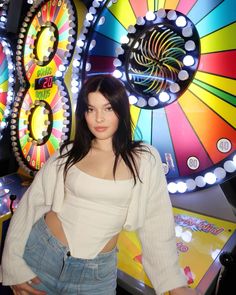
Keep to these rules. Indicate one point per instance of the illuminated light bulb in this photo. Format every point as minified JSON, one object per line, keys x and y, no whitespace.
{"x":161,"y":13}
{"x":58,"y":74}
{"x":183,"y":75}
{"x":140,"y":21}
{"x":62,"y":68}
{"x":181,"y":21}
{"x":74,"y":82}
{"x":187,"y":32}
{"x":65,"y":107}
{"x":47,"y":122}
{"x":95,"y":4}
{"x":210,"y":178}
{"x":187,"y":236}
{"x":181,"y":187}
{"x":124,"y":39}
{"x":84,"y":31}
{"x":152,"y":101}
{"x":80,"y":43}
{"x":220,"y":173}
{"x":191,"y":184}
{"x":64,"y":99}
{"x":172,"y":187}
{"x":66,"y":122}
{"x":150,"y":15}
{"x":178,"y":231}
{"x":117,"y":62}
{"x":117,"y":74}
{"x":141,"y":102}
{"x":64,"y":137}
{"x":3,"y":124}
{"x":86,"y":23}
{"x":188,"y":60}
{"x":65,"y":129}
{"x":164,"y":96}
{"x":131,"y":29}
{"x":200,"y":181}
{"x":171,"y":15}
{"x":229,"y":166}
{"x":92,"y":10}
{"x":234,"y":159}
{"x":119,"y":50}
{"x":44,"y":133}
{"x":74,"y":89}
{"x":133,"y":99}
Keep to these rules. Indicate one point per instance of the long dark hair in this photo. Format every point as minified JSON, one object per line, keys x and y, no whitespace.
{"x":123,"y":144}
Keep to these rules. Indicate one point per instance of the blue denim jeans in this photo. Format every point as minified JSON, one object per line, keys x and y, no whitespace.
{"x":62,"y":274}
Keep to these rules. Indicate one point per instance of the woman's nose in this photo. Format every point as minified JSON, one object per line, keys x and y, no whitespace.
{"x":99,"y":116}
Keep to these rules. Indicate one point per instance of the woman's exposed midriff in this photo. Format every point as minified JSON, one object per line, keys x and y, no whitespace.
{"x":54,"y":225}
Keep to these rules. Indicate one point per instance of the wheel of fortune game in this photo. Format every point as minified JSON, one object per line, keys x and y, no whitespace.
{"x":42,"y":112}
{"x":177,"y":60}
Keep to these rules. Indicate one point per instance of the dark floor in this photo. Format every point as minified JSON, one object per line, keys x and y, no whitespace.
{"x":7,"y":291}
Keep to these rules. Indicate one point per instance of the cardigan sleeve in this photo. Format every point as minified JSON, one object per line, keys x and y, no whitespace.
{"x":157,"y":235}
{"x":31,"y":207}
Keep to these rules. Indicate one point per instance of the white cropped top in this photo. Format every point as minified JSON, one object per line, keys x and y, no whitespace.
{"x":94,"y":210}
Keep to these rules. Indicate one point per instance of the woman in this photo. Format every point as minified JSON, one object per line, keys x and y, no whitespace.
{"x":62,"y":238}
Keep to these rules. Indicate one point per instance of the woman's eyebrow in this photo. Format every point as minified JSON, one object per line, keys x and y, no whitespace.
{"x":106,"y":104}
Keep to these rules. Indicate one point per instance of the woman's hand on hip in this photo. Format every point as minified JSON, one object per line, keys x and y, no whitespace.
{"x":26,"y":288}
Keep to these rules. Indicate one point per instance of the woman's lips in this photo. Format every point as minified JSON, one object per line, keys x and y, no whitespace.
{"x":100,"y":129}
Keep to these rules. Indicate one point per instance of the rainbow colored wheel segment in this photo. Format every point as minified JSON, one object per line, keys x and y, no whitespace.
{"x":6,"y":82}
{"x":190,"y":118}
{"x":43,"y":108}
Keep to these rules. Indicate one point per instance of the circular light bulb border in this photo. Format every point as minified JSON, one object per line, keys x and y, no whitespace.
{"x":153,"y":78}
{"x":3,"y":14}
{"x":6,"y":50}
{"x":224,"y":170}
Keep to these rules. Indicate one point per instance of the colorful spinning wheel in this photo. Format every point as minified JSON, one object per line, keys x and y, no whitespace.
{"x":6,"y":82}
{"x":177,"y":60}
{"x":42,"y":110}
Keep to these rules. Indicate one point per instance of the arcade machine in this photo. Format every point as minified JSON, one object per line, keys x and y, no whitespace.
{"x":177,"y":61}
{"x":41,"y":114}
{"x":178,"y":64}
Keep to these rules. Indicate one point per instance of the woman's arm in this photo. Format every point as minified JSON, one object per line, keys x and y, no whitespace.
{"x":157,"y":236}
{"x":30,"y":208}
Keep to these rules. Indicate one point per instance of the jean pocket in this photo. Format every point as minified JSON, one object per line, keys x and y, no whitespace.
{"x":106,"y":270}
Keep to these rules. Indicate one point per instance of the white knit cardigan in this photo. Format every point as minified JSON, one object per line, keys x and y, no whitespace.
{"x":150,"y":214}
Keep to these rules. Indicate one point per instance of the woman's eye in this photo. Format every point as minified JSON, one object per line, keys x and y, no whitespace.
{"x":109,"y":109}
{"x":89,"y":110}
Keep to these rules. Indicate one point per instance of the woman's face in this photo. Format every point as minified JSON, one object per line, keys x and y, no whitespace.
{"x":100,"y":117}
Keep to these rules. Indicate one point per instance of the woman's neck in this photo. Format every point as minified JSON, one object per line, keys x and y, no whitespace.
{"x":102,"y":145}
